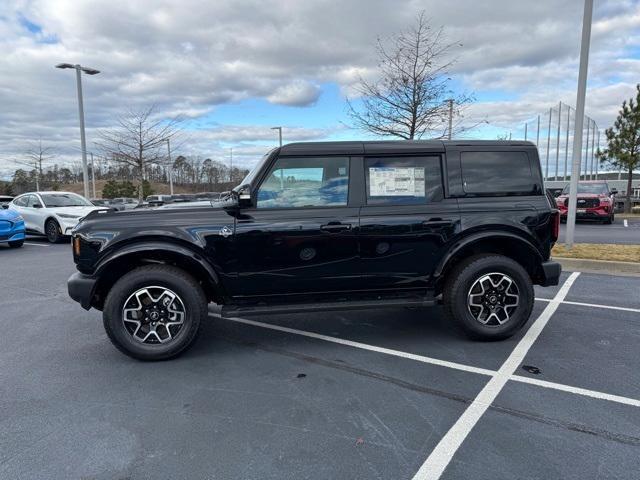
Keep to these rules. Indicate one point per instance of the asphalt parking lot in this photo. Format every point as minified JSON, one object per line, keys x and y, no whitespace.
{"x":390,"y":394}
{"x":625,"y":231}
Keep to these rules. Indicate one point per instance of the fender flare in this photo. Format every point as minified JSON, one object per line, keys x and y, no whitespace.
{"x":485,"y":235}
{"x":155,"y":246}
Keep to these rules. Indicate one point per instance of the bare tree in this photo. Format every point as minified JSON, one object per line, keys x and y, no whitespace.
{"x":139,"y":141}
{"x":35,"y":156}
{"x":411,"y":97}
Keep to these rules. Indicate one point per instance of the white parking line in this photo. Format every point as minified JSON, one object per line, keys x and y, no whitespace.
{"x":626,"y":223}
{"x":363,"y":346}
{"x":36,"y":244}
{"x":580,"y":391}
{"x":593,"y":305}
{"x":440,"y":456}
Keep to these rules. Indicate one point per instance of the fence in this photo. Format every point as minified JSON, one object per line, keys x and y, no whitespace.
{"x":553,"y":133}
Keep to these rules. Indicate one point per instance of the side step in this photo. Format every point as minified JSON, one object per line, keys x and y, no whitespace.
{"x":262,"y":309}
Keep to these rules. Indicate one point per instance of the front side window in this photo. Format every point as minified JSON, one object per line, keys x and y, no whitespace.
{"x":305,"y":182}
{"x":403,"y":180}
{"x":497,"y":173}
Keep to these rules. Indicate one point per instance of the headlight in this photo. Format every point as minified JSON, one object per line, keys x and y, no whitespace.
{"x":66,"y":215}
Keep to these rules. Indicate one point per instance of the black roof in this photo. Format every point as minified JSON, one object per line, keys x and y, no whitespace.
{"x":386,"y":146}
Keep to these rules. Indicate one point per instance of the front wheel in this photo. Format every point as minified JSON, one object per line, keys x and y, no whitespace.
{"x":154,"y":312}
{"x":53,"y":232}
{"x":489,"y":296}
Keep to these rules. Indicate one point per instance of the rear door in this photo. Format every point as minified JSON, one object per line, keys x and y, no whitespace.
{"x":300,"y":237}
{"x":405,"y":222}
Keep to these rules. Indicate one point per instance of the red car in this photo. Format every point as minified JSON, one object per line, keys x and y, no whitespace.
{"x":595,"y":202}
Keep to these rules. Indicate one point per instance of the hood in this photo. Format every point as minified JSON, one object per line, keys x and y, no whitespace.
{"x":8,"y":214}
{"x":76,"y":211}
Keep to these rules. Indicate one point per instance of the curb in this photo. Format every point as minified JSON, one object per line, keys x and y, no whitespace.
{"x":628,"y":269}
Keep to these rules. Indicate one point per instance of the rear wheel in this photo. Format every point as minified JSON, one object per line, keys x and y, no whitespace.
{"x":53,"y":232}
{"x":16,"y":243}
{"x":154,"y":312}
{"x":489,"y":296}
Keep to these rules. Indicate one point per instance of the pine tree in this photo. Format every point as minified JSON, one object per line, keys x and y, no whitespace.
{"x":623,"y":142}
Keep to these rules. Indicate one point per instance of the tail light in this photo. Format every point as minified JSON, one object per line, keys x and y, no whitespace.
{"x":555,"y":225}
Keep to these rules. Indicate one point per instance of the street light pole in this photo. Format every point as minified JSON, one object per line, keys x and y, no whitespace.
{"x":577,"y":137}
{"x":93,"y":177}
{"x":170,"y":167}
{"x":279,"y":134}
{"x":89,"y":71}
{"x":450,"y":117}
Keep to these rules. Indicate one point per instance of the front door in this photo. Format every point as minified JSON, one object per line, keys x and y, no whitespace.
{"x":405,"y":223}
{"x":300,"y":237}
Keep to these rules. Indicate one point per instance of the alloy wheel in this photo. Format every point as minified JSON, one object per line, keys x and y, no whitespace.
{"x":493,"y":298}
{"x":153,"y":315}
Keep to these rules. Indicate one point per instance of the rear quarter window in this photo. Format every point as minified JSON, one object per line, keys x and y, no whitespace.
{"x":498,"y":173}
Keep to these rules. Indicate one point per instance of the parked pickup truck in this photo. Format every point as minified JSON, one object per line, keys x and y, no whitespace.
{"x":330,"y":226}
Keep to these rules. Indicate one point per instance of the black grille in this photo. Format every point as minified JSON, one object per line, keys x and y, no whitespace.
{"x":585,"y":202}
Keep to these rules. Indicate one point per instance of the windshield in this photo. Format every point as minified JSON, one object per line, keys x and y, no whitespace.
{"x":64,"y":200}
{"x":595,"y":188}
{"x":255,"y":170}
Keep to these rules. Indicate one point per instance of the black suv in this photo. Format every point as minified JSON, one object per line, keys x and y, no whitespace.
{"x":328,"y":226}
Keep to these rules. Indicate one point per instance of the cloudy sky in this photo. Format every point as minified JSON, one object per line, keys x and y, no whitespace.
{"x":235,"y":68}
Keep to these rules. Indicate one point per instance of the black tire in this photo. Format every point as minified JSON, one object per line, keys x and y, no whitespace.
{"x":463,"y":277}
{"x":609,"y":219}
{"x":16,"y":243}
{"x":52,"y":231}
{"x":178,"y":281}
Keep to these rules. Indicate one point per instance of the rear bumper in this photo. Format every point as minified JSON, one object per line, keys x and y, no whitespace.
{"x":81,"y":288}
{"x":550,"y":273}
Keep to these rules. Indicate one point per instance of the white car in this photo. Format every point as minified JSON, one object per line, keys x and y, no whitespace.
{"x":53,"y":214}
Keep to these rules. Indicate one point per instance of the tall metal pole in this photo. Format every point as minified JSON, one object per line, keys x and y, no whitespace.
{"x":577,"y":138}
{"x":538,"y":134}
{"x":231,"y":164}
{"x":450,"y":118}
{"x":83,"y":143}
{"x":586,"y":152}
{"x":546,"y":168}
{"x":170,"y":166}
{"x":598,"y":145}
{"x":525,"y":132}
{"x":566,"y":146}
{"x":279,"y":134}
{"x":558,"y":141}
{"x":93,"y":177}
{"x":593,"y":144}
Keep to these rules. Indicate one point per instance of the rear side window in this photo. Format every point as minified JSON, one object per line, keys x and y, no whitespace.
{"x":501,"y":173}
{"x":403,"y":180}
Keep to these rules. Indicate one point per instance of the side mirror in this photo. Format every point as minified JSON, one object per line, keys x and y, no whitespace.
{"x":614,"y":191}
{"x":5,"y":206}
{"x":244,"y":196}
{"x":37,"y":205}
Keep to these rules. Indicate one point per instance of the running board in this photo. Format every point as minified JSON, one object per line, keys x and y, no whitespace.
{"x":244,"y":310}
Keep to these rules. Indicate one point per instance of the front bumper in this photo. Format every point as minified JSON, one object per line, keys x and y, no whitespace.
{"x":550,"y":273}
{"x":592,"y":213}
{"x":81,"y":288}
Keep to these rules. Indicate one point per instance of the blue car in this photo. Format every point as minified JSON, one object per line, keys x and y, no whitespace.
{"x":11,"y":228}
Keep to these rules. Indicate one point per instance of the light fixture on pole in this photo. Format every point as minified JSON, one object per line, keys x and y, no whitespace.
{"x":579,"y":123}
{"x":279,"y":133}
{"x":89,"y":71}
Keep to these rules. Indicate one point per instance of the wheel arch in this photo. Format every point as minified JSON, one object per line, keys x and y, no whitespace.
{"x":502,"y":243}
{"x":119,"y":262}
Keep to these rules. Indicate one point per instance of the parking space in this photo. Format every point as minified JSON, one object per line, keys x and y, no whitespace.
{"x":335,"y":395}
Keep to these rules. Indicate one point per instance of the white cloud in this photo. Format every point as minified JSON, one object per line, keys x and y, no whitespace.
{"x":190,"y":56}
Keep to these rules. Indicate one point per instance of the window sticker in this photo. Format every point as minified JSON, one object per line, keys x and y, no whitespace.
{"x":396,"y":182}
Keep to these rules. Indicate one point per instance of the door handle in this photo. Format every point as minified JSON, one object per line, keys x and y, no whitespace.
{"x":334,"y":227}
{"x":437,"y":222}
